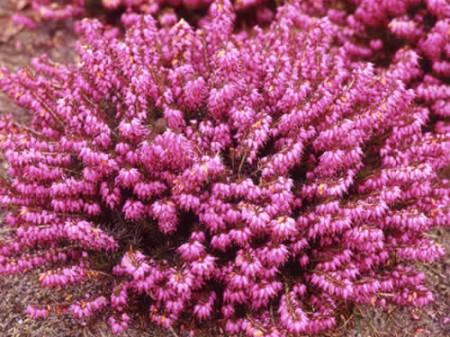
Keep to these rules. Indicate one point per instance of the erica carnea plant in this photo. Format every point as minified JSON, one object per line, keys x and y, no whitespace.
{"x":250,"y":177}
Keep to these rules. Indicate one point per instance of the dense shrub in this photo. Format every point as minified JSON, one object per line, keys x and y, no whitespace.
{"x":249,"y":176}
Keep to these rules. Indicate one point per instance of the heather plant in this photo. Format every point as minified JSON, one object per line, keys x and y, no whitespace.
{"x":253,"y":178}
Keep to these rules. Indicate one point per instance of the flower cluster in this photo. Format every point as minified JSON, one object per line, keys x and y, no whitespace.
{"x":269,"y":181}
{"x":378,"y":31}
{"x":382,"y":30}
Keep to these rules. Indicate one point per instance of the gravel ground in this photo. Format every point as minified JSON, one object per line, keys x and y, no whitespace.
{"x":17,"y":47}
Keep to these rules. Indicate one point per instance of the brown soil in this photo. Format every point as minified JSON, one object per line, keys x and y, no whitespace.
{"x":17,"y":48}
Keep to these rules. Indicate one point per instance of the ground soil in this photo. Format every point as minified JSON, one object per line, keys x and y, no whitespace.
{"x":17,"y":47}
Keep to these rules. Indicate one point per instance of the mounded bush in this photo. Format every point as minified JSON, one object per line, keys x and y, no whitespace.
{"x":253,"y":177}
